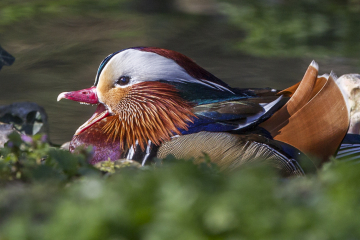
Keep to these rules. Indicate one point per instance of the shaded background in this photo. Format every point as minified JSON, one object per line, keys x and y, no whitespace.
{"x":59,"y":44}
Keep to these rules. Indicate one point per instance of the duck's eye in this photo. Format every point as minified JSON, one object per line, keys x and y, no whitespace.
{"x":123,"y":80}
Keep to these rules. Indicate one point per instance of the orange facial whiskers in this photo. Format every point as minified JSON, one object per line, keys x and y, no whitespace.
{"x":149,"y":111}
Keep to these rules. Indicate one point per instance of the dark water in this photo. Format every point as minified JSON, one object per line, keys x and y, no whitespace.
{"x":63,"y":55}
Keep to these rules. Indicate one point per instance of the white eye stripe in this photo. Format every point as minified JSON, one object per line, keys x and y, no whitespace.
{"x":144,"y":66}
{"x":148,"y":66}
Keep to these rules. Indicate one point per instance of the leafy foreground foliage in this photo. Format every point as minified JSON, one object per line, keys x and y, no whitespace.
{"x":50,"y":194}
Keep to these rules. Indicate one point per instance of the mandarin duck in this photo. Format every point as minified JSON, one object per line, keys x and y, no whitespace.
{"x":25,"y":118}
{"x":152,"y":102}
{"x":349,"y":149}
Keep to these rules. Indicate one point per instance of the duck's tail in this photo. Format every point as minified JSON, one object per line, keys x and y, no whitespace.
{"x":316,"y":117}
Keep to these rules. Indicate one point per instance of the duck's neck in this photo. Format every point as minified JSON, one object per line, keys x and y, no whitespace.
{"x":150,"y":111}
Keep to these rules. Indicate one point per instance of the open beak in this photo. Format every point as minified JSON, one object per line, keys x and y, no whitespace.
{"x":87,"y":96}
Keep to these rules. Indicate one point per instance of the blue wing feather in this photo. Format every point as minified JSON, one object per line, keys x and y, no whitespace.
{"x":201,"y":94}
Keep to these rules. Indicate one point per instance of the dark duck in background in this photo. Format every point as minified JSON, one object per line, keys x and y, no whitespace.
{"x":153,"y":102}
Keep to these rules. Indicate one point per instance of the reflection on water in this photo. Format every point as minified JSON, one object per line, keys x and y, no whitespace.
{"x":63,"y":54}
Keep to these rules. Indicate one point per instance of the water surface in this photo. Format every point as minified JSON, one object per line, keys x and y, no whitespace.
{"x":63,"y":54}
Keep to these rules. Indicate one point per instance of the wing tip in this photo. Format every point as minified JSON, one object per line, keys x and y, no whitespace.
{"x":314,"y":65}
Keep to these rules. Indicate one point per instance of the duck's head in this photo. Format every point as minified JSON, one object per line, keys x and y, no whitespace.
{"x":146,"y":94}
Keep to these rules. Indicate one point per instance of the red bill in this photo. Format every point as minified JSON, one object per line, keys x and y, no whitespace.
{"x":87,"y":96}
